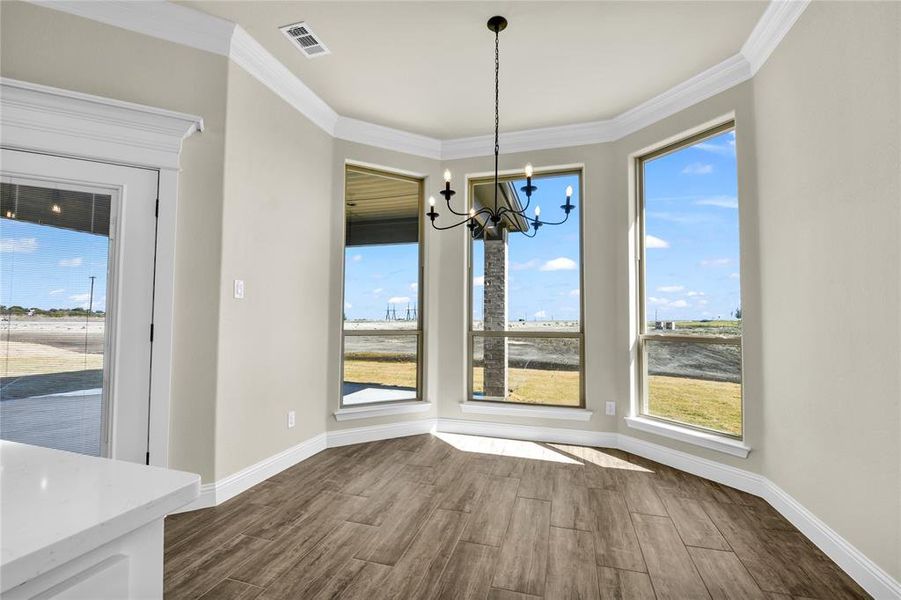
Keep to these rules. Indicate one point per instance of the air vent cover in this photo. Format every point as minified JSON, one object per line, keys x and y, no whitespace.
{"x":303,"y":37}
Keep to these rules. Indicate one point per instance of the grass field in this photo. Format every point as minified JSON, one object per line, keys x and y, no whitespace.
{"x":712,"y":404}
{"x":23,"y":358}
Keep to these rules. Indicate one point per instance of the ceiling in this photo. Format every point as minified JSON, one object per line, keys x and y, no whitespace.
{"x":427,"y":67}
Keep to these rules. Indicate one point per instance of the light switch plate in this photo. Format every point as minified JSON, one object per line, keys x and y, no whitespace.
{"x":291,"y":419}
{"x":611,"y":408}
{"x":239,"y":288}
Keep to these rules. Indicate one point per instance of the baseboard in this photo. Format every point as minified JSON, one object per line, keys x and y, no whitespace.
{"x":870,"y":576}
{"x":372,"y":433}
{"x":559,"y":435}
{"x":875,"y":580}
{"x":218,"y":492}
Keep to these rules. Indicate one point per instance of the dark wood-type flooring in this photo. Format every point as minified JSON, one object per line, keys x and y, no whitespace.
{"x":417,"y":517}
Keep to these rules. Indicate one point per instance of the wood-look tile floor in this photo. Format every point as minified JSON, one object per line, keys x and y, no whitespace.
{"x":462,"y":517}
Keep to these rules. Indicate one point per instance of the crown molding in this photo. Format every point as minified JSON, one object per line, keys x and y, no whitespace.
{"x":46,"y":119}
{"x":182,"y":25}
{"x":776,"y":21}
{"x":156,"y":18}
{"x":363,"y":132}
{"x":251,"y":56}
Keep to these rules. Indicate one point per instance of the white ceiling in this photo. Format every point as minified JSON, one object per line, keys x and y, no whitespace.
{"x":427,"y":67}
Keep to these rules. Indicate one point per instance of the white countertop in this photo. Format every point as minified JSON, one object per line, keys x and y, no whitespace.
{"x":55,"y":506}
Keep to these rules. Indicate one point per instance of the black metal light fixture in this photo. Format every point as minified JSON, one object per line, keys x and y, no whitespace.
{"x":495,"y":215}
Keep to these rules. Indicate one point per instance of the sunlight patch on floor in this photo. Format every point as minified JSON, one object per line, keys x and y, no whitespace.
{"x":502,"y":447}
{"x":599,"y":457}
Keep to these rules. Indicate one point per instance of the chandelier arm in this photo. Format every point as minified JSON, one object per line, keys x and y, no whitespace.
{"x":565,"y":219}
{"x":463,"y":222}
{"x":459,"y":214}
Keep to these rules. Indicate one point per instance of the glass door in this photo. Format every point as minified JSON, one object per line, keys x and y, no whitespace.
{"x":75,"y":304}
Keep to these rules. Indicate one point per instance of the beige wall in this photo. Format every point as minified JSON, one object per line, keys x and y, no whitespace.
{"x":278,"y":204}
{"x":54,"y":48}
{"x":828,"y":104}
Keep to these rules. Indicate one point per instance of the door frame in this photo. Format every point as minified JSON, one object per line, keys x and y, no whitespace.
{"x":47,"y":120}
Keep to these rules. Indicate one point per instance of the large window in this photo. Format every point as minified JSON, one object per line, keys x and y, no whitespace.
{"x":382,"y":289}
{"x":690,"y":289}
{"x":526,"y":303}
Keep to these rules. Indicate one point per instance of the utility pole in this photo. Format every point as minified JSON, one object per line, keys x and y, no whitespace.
{"x":87,"y":321}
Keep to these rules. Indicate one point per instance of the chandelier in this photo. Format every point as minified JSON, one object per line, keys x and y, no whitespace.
{"x":499,"y":216}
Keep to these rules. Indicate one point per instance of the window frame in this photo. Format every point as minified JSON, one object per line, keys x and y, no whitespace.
{"x":471,"y":182}
{"x":642,"y":336}
{"x":419,"y":332}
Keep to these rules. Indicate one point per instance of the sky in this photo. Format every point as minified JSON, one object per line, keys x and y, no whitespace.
{"x":47,"y":267}
{"x":691,"y":245}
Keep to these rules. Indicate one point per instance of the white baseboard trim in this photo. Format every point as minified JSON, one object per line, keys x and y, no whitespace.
{"x":865,"y":572}
{"x":875,"y":580}
{"x":372,"y":433}
{"x":218,"y":492}
{"x":559,"y":435}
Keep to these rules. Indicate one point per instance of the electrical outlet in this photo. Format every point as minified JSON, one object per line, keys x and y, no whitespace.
{"x":239,"y":288}
{"x":611,"y":408}
{"x":291,"y":419}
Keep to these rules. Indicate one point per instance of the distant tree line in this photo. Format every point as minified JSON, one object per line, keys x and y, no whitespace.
{"x":49,"y":312}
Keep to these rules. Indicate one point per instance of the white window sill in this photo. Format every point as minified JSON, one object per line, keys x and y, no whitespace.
{"x":367,"y":411}
{"x":522,"y":410}
{"x":690,"y":436}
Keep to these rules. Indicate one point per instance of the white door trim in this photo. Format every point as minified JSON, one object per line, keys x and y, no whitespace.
{"x":38,"y":118}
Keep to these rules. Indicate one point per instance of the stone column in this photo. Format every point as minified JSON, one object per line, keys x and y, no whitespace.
{"x":495,"y":312}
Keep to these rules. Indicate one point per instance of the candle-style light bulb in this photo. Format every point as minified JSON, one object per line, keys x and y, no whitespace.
{"x":569,"y":191}
{"x":447,"y":175}
{"x":529,"y":170}
{"x":472,"y":212}
{"x":432,"y":201}
{"x":537,"y":211}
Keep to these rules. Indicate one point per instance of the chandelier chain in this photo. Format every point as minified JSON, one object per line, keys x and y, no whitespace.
{"x":497,"y":111}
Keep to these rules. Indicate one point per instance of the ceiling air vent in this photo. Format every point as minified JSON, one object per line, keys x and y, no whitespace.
{"x":304,"y":38}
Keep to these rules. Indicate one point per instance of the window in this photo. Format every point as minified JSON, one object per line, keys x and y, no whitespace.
{"x":525,"y":336}
{"x":690,"y":292}
{"x":382,"y":290}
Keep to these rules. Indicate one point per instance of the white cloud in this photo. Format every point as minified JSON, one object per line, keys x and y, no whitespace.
{"x":720,"y":201}
{"x":727,"y":149}
{"x":398,"y":300}
{"x":357,"y":257}
{"x":692,"y":294}
{"x":559,"y":264}
{"x":84,"y":301}
{"x":651,"y":241}
{"x":733,"y":275}
{"x":660,"y":301}
{"x":669,"y":289}
{"x":348,"y":305}
{"x":70,"y":262}
{"x":574,"y":292}
{"x":414,"y":286}
{"x":20,"y":245}
{"x":715,"y":262}
{"x":56,"y":291}
{"x":478,"y":281}
{"x":377,"y":291}
{"x":679,"y":304}
{"x":540,"y":314}
{"x":698,"y":169}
